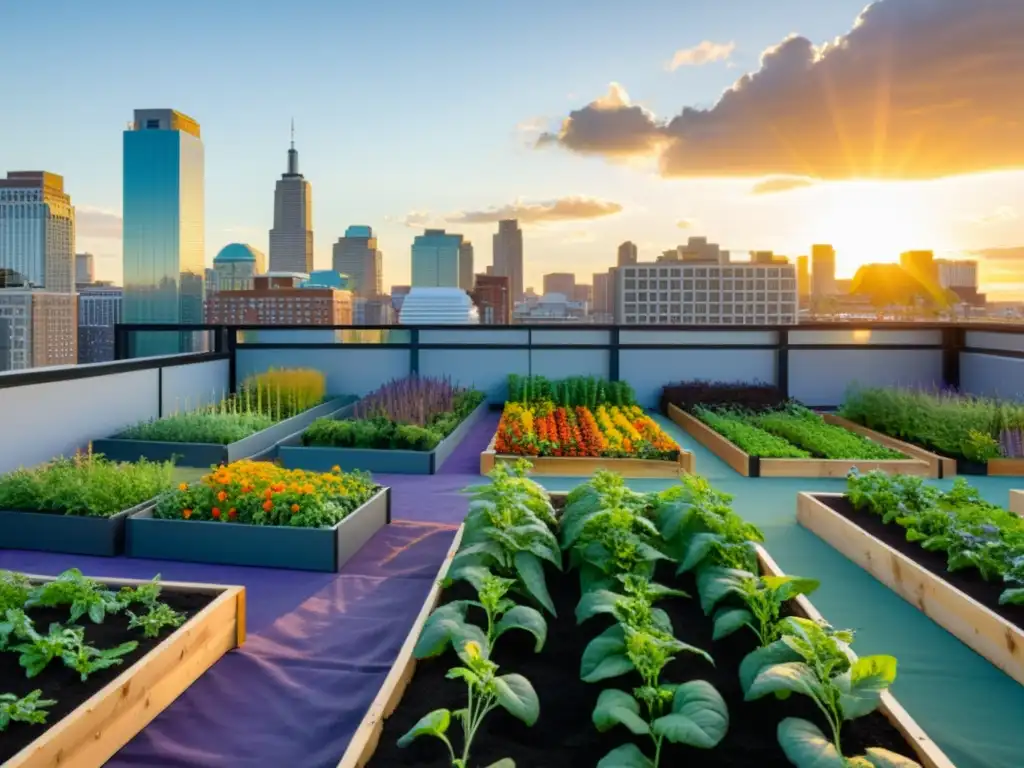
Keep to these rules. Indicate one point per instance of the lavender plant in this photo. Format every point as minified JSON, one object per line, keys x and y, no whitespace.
{"x":413,"y":400}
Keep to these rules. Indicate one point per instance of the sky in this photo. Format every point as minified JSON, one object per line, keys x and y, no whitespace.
{"x":760,"y":124}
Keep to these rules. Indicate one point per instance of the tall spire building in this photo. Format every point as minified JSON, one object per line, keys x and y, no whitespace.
{"x":291,"y":239}
{"x":508,"y":255}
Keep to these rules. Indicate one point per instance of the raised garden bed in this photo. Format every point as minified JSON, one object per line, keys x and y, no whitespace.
{"x":210,"y":454}
{"x":565,"y":734}
{"x":1017,"y":502}
{"x":755,"y":466}
{"x":270,"y":546}
{"x":73,"y":534}
{"x":575,"y":466}
{"x":960,"y":601}
{"x":92,"y":720}
{"x":293,"y":454}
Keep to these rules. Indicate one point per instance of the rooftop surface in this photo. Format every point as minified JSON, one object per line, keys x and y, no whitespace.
{"x":319,"y":645}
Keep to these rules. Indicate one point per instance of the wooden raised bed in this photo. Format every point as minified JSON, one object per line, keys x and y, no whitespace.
{"x":364,"y":741}
{"x":994,"y":637}
{"x":576,"y":466}
{"x":93,"y":732}
{"x":755,"y":466}
{"x":1017,"y":502}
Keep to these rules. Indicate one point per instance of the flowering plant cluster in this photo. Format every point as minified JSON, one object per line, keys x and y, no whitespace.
{"x":544,"y":429}
{"x":261,"y":493}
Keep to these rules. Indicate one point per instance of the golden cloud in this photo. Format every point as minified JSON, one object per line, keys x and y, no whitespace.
{"x":915,"y":90}
{"x":562,"y":209}
{"x":706,"y":52}
{"x":778,"y":184}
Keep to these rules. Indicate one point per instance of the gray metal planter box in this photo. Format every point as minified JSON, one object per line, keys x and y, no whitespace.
{"x":71,"y":534}
{"x":294,"y":455}
{"x":209,"y":454}
{"x":269,"y":546}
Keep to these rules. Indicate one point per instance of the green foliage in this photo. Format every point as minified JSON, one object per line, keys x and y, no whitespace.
{"x":14,"y":590}
{"x":941,"y":421}
{"x":86,"y":484}
{"x":39,"y":650}
{"x":764,"y":597}
{"x":145,"y":594}
{"x":86,"y":660}
{"x":205,"y":426}
{"x":84,"y":596}
{"x":29,"y":709}
{"x":158,"y":616}
{"x":587,"y":391}
{"x":980,"y":447}
{"x":972,"y":532}
{"x":806,"y":429}
{"x":733,"y":426}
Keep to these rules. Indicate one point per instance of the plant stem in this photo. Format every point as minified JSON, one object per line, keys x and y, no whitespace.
{"x":657,"y":750}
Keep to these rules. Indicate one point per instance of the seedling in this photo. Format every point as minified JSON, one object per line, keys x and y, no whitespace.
{"x":158,"y":616}
{"x":85,"y":659}
{"x":40,"y":650}
{"x":28,"y":709}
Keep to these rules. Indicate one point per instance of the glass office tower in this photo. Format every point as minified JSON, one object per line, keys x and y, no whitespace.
{"x":435,"y":259}
{"x":164,"y":255}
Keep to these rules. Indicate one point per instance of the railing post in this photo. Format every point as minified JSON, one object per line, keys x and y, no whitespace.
{"x":120,"y":342}
{"x":782,"y":362}
{"x":613,"y":355}
{"x":952,"y":344}
{"x":231,"y":337}
{"x":414,"y":351}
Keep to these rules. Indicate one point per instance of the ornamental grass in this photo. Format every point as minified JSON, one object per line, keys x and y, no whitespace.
{"x":262,"y":493}
{"x":86,"y":485}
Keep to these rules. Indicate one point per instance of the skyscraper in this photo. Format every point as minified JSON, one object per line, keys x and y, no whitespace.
{"x":435,"y":259}
{"x":37,"y":272}
{"x":466,"y":266}
{"x":921,"y":265}
{"x":356,"y":255}
{"x":508,"y":255}
{"x":85,"y":269}
{"x":164,"y":227}
{"x":627,"y":254}
{"x":823,"y":271}
{"x":560,"y":282}
{"x":291,"y":239}
{"x":803,"y":277}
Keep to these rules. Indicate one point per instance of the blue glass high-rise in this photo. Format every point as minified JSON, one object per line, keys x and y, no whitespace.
{"x":435,"y":259}
{"x":164,"y":228}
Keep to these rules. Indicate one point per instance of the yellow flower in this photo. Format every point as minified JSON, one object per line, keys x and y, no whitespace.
{"x":183,"y":487}
{"x":335,"y":468}
{"x":472,"y":648}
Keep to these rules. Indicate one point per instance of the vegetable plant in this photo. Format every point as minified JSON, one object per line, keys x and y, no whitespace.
{"x":39,"y":650}
{"x":764,"y":598}
{"x":735,"y":427}
{"x":27,"y":709}
{"x":83,"y":595}
{"x":486,"y":691}
{"x":153,"y":621}
{"x":85,"y":659}
{"x":14,"y":590}
{"x":808,"y":430}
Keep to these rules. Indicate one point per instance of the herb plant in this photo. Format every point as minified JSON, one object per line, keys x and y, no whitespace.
{"x":28,"y":709}
{"x":39,"y":650}
{"x":14,"y":590}
{"x":86,"y":659}
{"x":808,"y":430}
{"x":153,"y":621}
{"x":734,"y":426}
{"x":83,"y":595}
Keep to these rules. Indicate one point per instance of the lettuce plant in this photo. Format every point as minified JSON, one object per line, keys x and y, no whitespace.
{"x":693,"y":713}
{"x":486,"y":691}
{"x":27,"y":709}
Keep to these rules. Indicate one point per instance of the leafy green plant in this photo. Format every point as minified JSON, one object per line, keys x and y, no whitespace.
{"x":764,"y":598}
{"x":586,"y":391}
{"x":806,"y":429}
{"x":734,"y":427}
{"x":85,"y":659}
{"x":16,"y":625}
{"x":84,"y":596}
{"x":153,"y":621}
{"x":39,"y":650}
{"x":204,"y":426}
{"x":979,"y":446}
{"x":86,"y":485}
{"x":693,"y":713}
{"x":145,"y":594}
{"x":486,"y":691}
{"x":27,"y":709}
{"x":814,"y":662}
{"x":14,"y":590}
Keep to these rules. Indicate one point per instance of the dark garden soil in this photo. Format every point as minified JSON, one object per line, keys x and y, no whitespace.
{"x":565,"y":735}
{"x":967,"y":581}
{"x":63,"y":683}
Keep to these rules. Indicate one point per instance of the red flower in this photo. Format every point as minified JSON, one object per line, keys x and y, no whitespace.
{"x":216,"y":513}
{"x":186,"y":513}
{"x":232,"y":513}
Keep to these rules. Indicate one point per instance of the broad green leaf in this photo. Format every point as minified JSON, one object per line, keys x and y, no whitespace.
{"x":605,"y":656}
{"x":761,"y":658}
{"x":97,"y":612}
{"x":593,"y":603}
{"x":660,"y":591}
{"x":1012,"y":596}
{"x":863,"y":684}
{"x":697,"y":547}
{"x":516,"y":695}
{"x":714,"y":584}
{"x":649,"y":553}
{"x":806,"y":746}
{"x":883,"y":758}
{"x":465,"y":674}
{"x":793,"y":676}
{"x":728,"y":620}
{"x":478,"y":553}
{"x":789,"y":587}
{"x":596,"y":554}
{"x":699,"y":717}
{"x":505,"y":762}
{"x":616,"y":707}
{"x":662,"y":621}
{"x":673,"y":518}
{"x":469,"y":633}
{"x":539,"y":540}
{"x":572,"y":525}
{"x":626,"y":756}
{"x":474,"y":574}
{"x":438,"y":629}
{"x":431,"y":724}
{"x":531,"y":574}
{"x":593,"y":578}
{"x":527,"y":618}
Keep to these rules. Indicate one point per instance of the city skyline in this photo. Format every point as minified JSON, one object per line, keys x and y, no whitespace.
{"x":574,"y":210}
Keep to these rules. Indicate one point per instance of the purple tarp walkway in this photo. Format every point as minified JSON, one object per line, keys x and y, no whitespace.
{"x":318,"y":646}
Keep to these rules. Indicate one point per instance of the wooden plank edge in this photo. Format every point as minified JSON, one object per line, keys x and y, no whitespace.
{"x":718,"y":444}
{"x":933,"y":460}
{"x":364,"y":741}
{"x":1017,"y":502}
{"x":928,"y":752}
{"x":840,"y":467}
{"x":1006,"y":467}
{"x":177,"y":662}
{"x":976,"y":626}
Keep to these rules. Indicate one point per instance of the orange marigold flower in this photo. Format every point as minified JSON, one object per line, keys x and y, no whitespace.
{"x":186,"y":513}
{"x":221,"y":496}
{"x":268,"y":505}
{"x":295,"y":508}
{"x":183,"y":487}
{"x":335,"y":468}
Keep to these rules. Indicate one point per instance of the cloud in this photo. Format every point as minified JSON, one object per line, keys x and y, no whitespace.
{"x":917,"y":89}
{"x":705,"y":53}
{"x":685,"y":223}
{"x":417,"y":219}
{"x":562,"y":209}
{"x":1000,"y":215}
{"x":780,"y":184}
{"x":97,"y":224}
